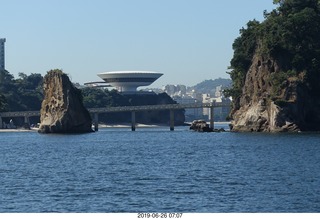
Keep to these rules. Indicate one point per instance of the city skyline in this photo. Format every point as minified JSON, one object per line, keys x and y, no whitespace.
{"x":189,"y":41}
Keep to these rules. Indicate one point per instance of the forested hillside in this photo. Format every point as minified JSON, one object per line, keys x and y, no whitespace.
{"x":209,"y":86}
{"x":289,"y":34}
{"x":26,"y":94}
{"x":275,"y":70}
{"x":21,"y":94}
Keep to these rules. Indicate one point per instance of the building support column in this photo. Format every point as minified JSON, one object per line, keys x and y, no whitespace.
{"x":171,"y":120}
{"x":133,"y":121}
{"x":26,"y":122}
{"x":211,"y":116}
{"x":96,"y":122}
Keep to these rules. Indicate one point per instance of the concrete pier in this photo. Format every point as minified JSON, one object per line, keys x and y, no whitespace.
{"x":26,"y":120}
{"x":96,"y":122}
{"x":133,"y":121}
{"x":171,"y":120}
{"x":212,"y":117}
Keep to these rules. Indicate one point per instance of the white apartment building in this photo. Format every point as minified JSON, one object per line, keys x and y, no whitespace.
{"x":220,"y":113}
{"x":2,"y":54}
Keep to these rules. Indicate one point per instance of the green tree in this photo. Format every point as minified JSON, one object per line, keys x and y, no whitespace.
{"x":244,"y":48}
{"x":6,"y":81}
{"x":3,"y":103}
{"x":7,"y":90}
{"x":24,"y":93}
{"x":94,"y":98}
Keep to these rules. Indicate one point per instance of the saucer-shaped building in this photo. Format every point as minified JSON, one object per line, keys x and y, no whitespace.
{"x":129,"y":81}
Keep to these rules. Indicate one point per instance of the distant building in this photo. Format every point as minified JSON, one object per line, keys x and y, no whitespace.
{"x":190,"y":114}
{"x":175,"y":90}
{"x":129,"y":81}
{"x":220,"y":113}
{"x":186,"y":95}
{"x":206,"y":98}
{"x":218,"y":92}
{"x":2,"y":54}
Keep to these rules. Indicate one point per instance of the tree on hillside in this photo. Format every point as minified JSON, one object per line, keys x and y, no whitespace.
{"x":244,"y":48}
{"x":289,"y":34}
{"x":209,"y":86}
{"x":3,"y":103}
{"x":24,"y":93}
{"x":30,"y":90}
{"x":6,"y":81}
{"x":8,"y":90}
{"x":94,"y":98}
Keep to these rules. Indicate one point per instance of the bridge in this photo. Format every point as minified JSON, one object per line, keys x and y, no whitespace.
{"x":133,"y":109}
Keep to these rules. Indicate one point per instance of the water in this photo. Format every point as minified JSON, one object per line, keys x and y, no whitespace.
{"x":155,"y":170}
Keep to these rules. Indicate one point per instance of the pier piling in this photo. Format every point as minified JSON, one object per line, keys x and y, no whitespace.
{"x":96,"y":122}
{"x":133,"y":121}
{"x":171,"y":120}
{"x":212,"y":117}
{"x":27,"y":121}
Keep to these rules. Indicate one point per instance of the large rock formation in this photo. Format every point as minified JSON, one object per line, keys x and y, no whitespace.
{"x":62,"y":110}
{"x":258,"y":109}
{"x":276,"y":70}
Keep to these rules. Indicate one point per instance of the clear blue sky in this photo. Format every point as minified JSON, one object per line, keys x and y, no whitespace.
{"x":188,"y":40}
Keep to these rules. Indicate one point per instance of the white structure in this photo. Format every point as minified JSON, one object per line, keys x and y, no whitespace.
{"x":129,"y":81}
{"x":218,"y":92}
{"x":175,"y":90}
{"x":2,"y":55}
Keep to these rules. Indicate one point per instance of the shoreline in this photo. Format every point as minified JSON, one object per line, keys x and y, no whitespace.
{"x":19,"y":130}
{"x":140,"y":125}
{"x":122,"y":125}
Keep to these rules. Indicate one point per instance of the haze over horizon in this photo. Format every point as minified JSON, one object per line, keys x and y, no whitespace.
{"x":189,"y":41}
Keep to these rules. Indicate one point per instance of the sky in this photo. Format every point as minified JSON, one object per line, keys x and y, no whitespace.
{"x":189,"y":41}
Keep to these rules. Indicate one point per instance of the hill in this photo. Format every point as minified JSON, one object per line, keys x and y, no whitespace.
{"x":209,"y":86}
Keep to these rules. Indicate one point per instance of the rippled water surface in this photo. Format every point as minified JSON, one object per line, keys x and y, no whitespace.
{"x":155,"y":170}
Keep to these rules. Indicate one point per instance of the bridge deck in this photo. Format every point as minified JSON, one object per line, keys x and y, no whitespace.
{"x":124,"y":109}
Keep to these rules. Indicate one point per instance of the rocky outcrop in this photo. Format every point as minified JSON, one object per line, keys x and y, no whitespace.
{"x":202,"y":126}
{"x":260,"y":108}
{"x":62,"y":110}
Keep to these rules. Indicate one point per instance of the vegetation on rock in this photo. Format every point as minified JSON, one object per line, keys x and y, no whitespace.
{"x":289,"y":35}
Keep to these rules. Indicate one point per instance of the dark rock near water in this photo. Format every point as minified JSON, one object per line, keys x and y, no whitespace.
{"x":202,"y":126}
{"x":62,"y":110}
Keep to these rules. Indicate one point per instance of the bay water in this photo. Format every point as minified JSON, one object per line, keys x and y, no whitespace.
{"x":157,"y":170}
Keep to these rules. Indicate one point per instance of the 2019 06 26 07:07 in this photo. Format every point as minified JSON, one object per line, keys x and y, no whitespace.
{"x":159,"y":215}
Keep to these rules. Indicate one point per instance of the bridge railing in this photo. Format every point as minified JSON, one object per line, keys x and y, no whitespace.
{"x":20,"y":114}
{"x":124,"y":109}
{"x":149,"y":107}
